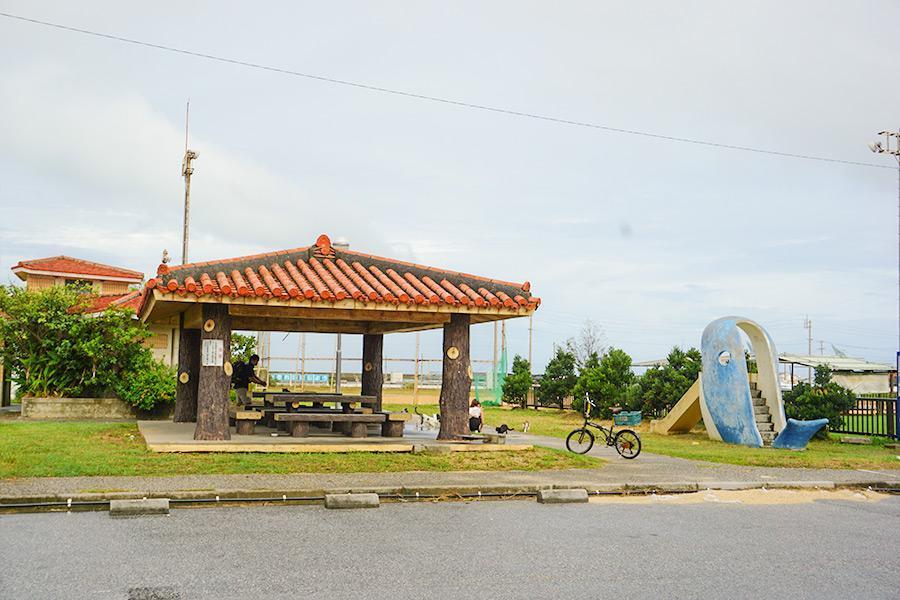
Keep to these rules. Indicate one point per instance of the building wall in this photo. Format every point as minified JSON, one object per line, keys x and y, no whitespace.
{"x":163,"y":342}
{"x":40,"y":282}
{"x":113,"y":287}
{"x":864,"y":383}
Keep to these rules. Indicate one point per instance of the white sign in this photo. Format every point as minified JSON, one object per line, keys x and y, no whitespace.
{"x":213,"y":353}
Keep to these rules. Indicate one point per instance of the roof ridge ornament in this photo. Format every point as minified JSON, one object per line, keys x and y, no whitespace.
{"x":324,"y":248}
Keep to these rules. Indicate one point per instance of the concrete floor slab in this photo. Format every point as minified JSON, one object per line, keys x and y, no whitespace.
{"x":165,"y":436}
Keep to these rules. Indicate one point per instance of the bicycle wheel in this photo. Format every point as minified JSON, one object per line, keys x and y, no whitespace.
{"x":580,"y":441}
{"x":628,"y":444}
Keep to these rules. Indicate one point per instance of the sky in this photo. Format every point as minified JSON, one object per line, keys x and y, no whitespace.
{"x":648,"y":238}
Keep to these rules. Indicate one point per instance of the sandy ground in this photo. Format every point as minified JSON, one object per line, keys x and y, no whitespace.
{"x":749,"y":497}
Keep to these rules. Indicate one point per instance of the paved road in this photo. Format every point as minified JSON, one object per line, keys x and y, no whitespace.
{"x":496,"y":550}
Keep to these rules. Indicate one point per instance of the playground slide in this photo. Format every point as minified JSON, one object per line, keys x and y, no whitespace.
{"x":684,"y":415}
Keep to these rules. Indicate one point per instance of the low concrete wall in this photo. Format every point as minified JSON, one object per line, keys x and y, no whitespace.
{"x":86,"y":408}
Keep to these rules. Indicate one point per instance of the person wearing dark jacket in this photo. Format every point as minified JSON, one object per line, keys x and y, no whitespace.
{"x":245,"y":374}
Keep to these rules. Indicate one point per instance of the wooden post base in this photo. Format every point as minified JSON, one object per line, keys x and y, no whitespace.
{"x":392,"y":429}
{"x":244,"y":427}
{"x":358,"y":430}
{"x":299,"y":429}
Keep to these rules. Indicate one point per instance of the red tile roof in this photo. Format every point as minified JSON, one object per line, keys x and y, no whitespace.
{"x":66,"y":265}
{"x":130,"y":300}
{"x":324,"y":273}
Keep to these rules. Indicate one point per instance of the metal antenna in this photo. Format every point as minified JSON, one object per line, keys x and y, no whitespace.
{"x":186,"y":171}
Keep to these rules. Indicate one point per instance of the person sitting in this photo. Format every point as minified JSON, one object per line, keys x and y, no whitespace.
{"x":476,"y":416}
{"x":243,"y":375}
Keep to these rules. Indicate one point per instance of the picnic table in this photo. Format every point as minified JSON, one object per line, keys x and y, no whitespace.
{"x":297,"y":411}
{"x":297,"y":400}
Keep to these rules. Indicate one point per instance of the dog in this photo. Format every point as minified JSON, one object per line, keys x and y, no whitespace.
{"x":504,"y":428}
{"x":427,"y":421}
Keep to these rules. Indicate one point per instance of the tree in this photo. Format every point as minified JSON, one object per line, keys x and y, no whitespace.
{"x":591,"y":341}
{"x":606,"y":381}
{"x":824,"y":399}
{"x":517,"y":385}
{"x":559,"y":377}
{"x":662,"y":386}
{"x":242,"y":347}
{"x":52,"y":347}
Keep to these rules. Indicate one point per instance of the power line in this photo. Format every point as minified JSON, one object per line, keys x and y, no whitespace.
{"x":460,"y":103}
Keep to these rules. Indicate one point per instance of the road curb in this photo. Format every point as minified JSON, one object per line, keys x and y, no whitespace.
{"x":102,"y":500}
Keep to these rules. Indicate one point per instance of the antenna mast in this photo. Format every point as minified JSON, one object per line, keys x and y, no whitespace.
{"x":187,"y":170}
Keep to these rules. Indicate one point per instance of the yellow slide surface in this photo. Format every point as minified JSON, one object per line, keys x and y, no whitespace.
{"x":683,"y":416}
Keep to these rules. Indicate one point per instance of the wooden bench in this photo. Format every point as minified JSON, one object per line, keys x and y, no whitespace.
{"x":356,"y":423}
{"x":394,"y":423}
{"x":245,"y":421}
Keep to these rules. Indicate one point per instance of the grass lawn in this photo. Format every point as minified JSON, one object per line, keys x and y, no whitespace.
{"x":829,"y":454}
{"x":68,"y":449}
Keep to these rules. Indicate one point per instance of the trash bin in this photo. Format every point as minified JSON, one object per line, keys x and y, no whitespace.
{"x":628,"y":417}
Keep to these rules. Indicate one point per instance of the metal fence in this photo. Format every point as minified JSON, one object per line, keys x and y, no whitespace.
{"x":870,"y":416}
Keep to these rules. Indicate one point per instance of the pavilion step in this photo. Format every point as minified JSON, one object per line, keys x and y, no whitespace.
{"x":755,"y":393}
{"x":759,"y":402}
{"x":760,"y":409}
{"x":753,"y":386}
{"x":764,"y":427}
{"x":763,"y":418}
{"x":768,"y":437}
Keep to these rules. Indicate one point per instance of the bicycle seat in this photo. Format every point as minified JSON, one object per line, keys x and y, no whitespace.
{"x":616,"y":410}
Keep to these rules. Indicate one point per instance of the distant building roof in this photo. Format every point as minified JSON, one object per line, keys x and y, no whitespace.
{"x":659,"y":362}
{"x":837,"y":363}
{"x":66,"y":266}
{"x":130,"y":300}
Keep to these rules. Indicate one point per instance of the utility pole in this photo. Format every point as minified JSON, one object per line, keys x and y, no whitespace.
{"x":885,"y":147}
{"x":494,"y":370}
{"x":530,"y":328}
{"x":337,"y":365}
{"x":807,"y":324}
{"x":416,"y":374}
{"x":187,"y":169}
{"x":302,"y":360}
{"x":822,"y":347}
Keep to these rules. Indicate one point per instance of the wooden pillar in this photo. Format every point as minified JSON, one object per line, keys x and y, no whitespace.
{"x":188,"y":376}
{"x":373,"y":372}
{"x":456,"y":378}
{"x":214,"y":381}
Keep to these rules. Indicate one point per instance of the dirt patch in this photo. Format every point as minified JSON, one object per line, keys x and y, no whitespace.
{"x":746,"y":497}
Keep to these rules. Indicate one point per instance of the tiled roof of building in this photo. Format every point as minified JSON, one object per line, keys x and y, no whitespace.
{"x":323,"y":273}
{"x":130,"y":300}
{"x":67,"y":265}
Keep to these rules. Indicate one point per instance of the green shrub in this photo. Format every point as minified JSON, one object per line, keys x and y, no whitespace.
{"x":559,"y":378}
{"x":824,"y":399}
{"x":662,"y":387}
{"x":517,"y":384}
{"x":53,"y":348}
{"x":148,"y":386}
{"x":606,"y":381}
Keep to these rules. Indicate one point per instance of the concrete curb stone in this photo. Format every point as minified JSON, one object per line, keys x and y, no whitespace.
{"x":138,"y":508}
{"x":562,"y":496}
{"x":351,"y":501}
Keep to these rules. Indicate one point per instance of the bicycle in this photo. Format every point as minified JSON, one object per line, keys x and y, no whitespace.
{"x":626,"y":442}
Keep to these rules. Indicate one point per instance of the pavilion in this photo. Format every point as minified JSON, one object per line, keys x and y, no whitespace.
{"x":320,"y":289}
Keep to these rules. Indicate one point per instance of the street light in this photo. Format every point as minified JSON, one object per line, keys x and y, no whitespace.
{"x":886,"y":147}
